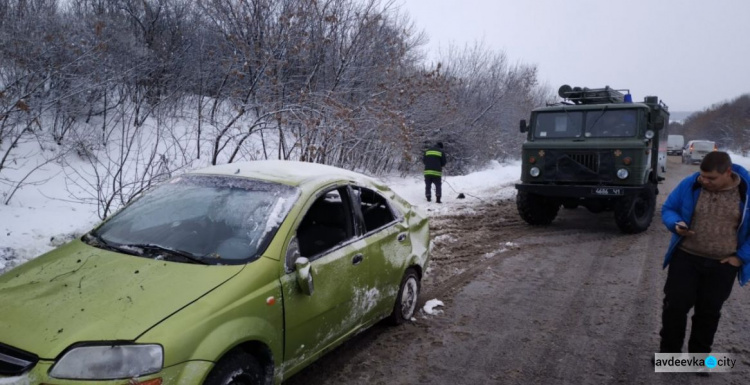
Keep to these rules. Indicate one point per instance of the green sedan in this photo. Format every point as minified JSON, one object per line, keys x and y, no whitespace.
{"x":237,"y":274}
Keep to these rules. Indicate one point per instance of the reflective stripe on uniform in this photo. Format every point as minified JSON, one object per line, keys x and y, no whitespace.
{"x":433,"y":173}
{"x":433,"y":153}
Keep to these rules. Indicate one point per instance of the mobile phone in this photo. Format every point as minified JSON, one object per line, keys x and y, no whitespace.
{"x":682,"y":227}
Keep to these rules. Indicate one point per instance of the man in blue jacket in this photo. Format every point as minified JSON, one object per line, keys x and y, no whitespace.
{"x":434,"y":160}
{"x":709,"y":217}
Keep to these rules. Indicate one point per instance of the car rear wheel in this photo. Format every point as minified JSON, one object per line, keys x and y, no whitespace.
{"x":236,"y":368}
{"x":633,"y":214}
{"x":406,"y":301}
{"x":535,"y":209}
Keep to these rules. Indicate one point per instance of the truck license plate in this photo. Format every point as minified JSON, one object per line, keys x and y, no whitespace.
{"x":606,"y":191}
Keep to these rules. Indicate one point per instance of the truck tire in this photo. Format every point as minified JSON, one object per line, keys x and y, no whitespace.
{"x":633,"y":214}
{"x":536,"y":210}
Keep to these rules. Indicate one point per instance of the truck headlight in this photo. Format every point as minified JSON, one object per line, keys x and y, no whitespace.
{"x":108,"y":362}
{"x":534,"y":171}
{"x":622,"y":173}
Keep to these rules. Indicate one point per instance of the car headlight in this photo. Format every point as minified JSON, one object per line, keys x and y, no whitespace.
{"x":534,"y":171}
{"x":622,"y":173}
{"x":106,"y":362}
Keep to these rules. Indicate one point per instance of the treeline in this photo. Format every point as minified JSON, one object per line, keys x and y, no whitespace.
{"x":340,"y":82}
{"x":728,"y":124}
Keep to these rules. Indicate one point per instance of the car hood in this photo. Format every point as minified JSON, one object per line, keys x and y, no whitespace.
{"x":80,"y":293}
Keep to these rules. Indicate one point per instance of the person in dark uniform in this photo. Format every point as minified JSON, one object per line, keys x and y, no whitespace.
{"x":434,"y":160}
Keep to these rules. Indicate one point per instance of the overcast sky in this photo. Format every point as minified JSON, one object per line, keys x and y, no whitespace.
{"x":690,"y":53}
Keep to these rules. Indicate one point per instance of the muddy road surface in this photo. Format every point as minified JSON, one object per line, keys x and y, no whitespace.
{"x":576,"y":302}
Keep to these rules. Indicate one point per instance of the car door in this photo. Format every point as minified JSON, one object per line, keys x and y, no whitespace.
{"x":387,"y":249}
{"x":326,"y":236}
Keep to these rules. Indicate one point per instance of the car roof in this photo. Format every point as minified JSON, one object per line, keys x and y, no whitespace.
{"x":288,"y":172}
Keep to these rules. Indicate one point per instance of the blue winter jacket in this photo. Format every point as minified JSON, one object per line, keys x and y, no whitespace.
{"x":680,"y":206}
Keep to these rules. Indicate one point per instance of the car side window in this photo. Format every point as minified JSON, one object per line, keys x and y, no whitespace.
{"x":376,"y":212}
{"x":326,"y":224}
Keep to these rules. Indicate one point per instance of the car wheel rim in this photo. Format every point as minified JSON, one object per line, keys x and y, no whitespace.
{"x":242,"y":379}
{"x":409,"y":298}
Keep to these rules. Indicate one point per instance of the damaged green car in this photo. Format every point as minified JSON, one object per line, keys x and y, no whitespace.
{"x":237,"y":274}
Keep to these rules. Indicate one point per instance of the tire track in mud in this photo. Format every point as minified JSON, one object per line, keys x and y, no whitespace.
{"x":460,"y":244}
{"x":464,"y":244}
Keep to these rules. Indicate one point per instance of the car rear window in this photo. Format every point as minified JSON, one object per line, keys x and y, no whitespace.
{"x":703,"y":146}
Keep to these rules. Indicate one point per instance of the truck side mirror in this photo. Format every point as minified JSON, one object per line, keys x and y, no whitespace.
{"x":523,"y":125}
{"x":659,"y":124}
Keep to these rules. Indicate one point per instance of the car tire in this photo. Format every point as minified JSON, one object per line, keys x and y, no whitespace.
{"x":536,"y":210}
{"x":406,"y":300}
{"x":634,"y":213}
{"x":236,"y":368}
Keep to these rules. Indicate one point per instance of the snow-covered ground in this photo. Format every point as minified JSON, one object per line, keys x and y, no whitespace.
{"x":42,"y":217}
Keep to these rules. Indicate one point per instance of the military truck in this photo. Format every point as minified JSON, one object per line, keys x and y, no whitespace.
{"x":597,"y":149}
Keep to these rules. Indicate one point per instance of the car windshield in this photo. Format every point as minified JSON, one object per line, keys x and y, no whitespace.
{"x":200,"y":218}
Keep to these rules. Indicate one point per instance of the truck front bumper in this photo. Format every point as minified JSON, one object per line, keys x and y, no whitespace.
{"x":578,"y":191}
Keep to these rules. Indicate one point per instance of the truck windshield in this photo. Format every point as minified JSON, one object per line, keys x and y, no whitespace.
{"x":558,"y":124}
{"x":611,"y":123}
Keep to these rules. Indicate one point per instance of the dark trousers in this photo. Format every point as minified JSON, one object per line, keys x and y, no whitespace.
{"x":694,"y":281}
{"x":429,"y":180}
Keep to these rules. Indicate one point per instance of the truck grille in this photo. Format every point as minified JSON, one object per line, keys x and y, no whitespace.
{"x":590,"y":161}
{"x":591,"y":167}
{"x":14,"y":361}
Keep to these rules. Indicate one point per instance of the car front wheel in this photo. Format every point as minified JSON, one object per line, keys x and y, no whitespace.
{"x":236,"y":368}
{"x":406,"y":301}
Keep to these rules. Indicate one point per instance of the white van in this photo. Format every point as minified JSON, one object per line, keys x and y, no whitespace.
{"x":695,"y":150}
{"x":674,"y":144}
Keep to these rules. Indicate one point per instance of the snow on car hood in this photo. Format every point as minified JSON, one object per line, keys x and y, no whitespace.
{"x":79,"y":293}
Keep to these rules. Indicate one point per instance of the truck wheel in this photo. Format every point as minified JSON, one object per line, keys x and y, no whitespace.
{"x":536,"y":210}
{"x":633,"y":214}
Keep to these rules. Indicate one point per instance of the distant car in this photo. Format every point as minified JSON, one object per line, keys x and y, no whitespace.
{"x":695,"y":150}
{"x":675,"y":144}
{"x":243,"y":273}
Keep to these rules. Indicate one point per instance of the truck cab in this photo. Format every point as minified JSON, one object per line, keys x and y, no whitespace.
{"x":597,"y":149}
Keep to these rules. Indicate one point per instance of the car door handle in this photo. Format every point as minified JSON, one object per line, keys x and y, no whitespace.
{"x":401,"y":237}
{"x":357,"y":259}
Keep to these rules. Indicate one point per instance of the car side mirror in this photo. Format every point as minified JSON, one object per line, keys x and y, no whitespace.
{"x":523,"y":126}
{"x":292,"y":253}
{"x":304,"y":275}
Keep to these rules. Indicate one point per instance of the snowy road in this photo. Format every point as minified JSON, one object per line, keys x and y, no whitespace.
{"x":576,"y":302}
